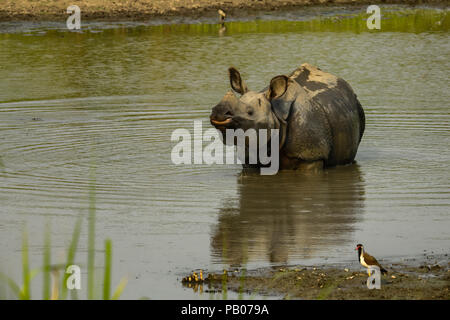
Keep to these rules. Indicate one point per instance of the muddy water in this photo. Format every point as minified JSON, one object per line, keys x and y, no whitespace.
{"x":102,"y":104}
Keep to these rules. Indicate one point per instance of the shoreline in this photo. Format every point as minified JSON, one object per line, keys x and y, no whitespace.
{"x":141,"y":10}
{"x":420,"y":278}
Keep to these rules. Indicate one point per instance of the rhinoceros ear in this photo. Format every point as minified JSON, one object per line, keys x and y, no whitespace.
{"x":278,"y":86}
{"x":236,"y":82}
{"x":281,"y":106}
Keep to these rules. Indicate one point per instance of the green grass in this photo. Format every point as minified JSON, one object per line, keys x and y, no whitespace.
{"x":71,"y":255}
{"x":53,"y":283}
{"x":24,"y":292}
{"x":91,"y":237}
{"x":242,"y":284}
{"x":25,"y":267}
{"x":107,"y":274}
{"x":46,"y":263}
{"x":119,"y":289}
{"x":326,"y":291}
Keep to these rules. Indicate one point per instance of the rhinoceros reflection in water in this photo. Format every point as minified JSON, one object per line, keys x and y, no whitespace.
{"x":319,"y":117}
{"x":289,"y":216}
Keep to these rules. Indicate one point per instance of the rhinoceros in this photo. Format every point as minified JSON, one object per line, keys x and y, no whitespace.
{"x":319,"y":117}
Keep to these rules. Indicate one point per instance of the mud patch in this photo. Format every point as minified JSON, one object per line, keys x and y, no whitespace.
{"x":404,"y":281}
{"x":49,"y":10}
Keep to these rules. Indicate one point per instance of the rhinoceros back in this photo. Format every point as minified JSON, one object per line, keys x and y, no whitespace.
{"x":341,"y":108}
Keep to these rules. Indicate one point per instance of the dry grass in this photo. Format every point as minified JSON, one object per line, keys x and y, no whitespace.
{"x":140,"y":9}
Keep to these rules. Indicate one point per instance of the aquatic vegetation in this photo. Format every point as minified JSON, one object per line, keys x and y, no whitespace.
{"x":54,"y":285}
{"x":393,"y":19}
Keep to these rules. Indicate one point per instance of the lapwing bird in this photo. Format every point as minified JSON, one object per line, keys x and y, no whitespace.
{"x":367,"y":260}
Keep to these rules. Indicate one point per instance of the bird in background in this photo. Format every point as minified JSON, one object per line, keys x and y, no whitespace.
{"x":367,"y":260}
{"x":222,"y":15}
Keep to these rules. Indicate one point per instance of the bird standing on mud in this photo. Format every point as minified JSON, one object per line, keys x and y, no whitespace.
{"x":367,"y":260}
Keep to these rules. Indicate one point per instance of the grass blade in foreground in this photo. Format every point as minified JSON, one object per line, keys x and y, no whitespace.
{"x":25,"y":267}
{"x":107,"y":276}
{"x":71,"y":255}
{"x":46,"y":263}
{"x":91,"y":238}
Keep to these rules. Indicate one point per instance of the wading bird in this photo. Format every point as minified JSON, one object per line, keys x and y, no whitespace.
{"x":367,"y":260}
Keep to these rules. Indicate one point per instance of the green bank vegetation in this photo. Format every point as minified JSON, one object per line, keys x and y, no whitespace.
{"x":415,"y":20}
{"x":54,"y":275}
{"x":405,"y":20}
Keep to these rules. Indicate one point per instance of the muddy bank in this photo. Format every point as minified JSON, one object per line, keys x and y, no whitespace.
{"x":426,"y":280}
{"x":51,"y":10}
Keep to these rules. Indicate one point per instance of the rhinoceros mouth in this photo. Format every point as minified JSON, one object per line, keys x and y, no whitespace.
{"x":221,"y":123}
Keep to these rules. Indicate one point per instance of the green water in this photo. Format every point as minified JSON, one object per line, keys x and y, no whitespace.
{"x":110,"y":96}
